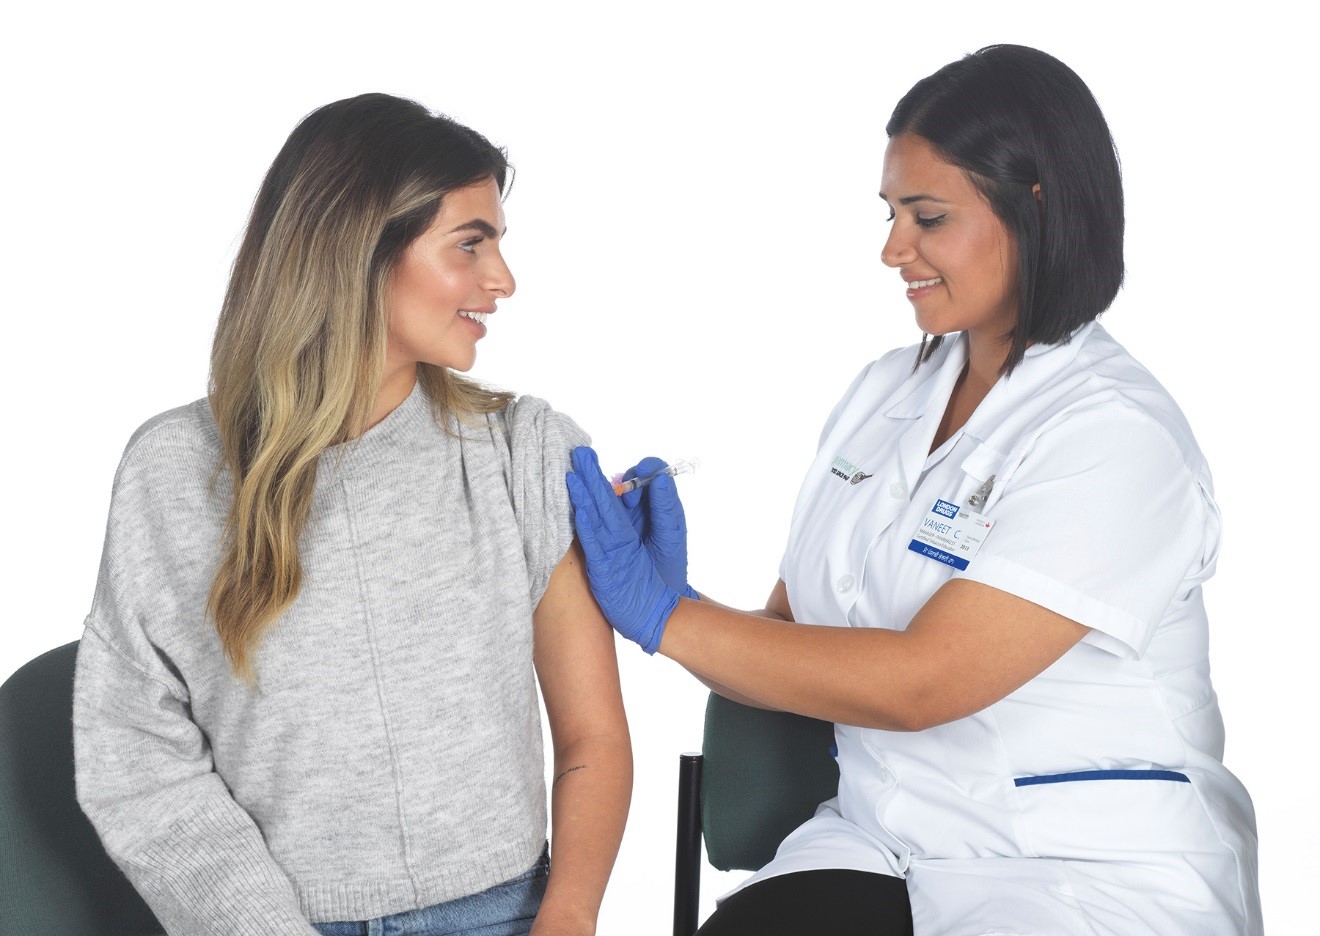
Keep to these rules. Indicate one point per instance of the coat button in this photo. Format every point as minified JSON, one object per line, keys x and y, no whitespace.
{"x":898,"y":490}
{"x":885,"y":774}
{"x":844,"y":583}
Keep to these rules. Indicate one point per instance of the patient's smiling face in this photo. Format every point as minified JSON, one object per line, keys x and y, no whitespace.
{"x":448,"y":281}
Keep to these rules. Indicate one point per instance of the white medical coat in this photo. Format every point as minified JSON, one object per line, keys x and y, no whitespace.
{"x":1092,"y":800}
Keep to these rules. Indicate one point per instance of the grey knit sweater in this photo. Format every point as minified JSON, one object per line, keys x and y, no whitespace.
{"x":390,"y":757}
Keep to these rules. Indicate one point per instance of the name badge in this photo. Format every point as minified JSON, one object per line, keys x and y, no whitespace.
{"x":951,"y":534}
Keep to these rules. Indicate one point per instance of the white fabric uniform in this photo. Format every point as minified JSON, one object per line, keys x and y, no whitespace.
{"x":1092,"y":800}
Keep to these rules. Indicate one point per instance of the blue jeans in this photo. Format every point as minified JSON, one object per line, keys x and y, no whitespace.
{"x":506,"y":909}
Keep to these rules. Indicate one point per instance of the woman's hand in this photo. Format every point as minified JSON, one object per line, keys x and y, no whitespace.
{"x":624,"y":579}
{"x":657,"y":516}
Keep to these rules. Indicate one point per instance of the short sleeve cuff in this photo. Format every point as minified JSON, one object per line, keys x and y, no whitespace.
{"x":1112,"y":629}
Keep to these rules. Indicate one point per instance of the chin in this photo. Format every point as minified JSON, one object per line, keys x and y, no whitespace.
{"x":450,"y":359}
{"x":936,"y":328}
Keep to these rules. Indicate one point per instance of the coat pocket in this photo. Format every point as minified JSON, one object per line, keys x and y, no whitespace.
{"x":1102,"y":814}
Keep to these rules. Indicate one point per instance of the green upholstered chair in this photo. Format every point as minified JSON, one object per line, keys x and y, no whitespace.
{"x":54,"y":875}
{"x":759,"y":776}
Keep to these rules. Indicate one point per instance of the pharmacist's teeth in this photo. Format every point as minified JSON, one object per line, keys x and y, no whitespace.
{"x":479,"y":317}
{"x":917,"y":284}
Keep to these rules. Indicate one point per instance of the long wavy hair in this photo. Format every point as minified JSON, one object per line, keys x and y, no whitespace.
{"x":299,"y":351}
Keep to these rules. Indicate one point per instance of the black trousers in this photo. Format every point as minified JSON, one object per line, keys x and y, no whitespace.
{"x":816,"y":903}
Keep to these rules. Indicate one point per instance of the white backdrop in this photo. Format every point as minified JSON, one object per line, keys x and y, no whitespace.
{"x":696,"y":235}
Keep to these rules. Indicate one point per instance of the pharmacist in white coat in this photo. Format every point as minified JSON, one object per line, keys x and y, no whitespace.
{"x":992,"y":583}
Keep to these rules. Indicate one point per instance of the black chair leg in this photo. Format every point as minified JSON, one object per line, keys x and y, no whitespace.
{"x":687,"y":855}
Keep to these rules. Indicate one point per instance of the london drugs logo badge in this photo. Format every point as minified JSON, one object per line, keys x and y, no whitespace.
{"x":945,"y":509}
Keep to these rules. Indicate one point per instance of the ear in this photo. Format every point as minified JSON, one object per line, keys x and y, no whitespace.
{"x":1035,"y":190}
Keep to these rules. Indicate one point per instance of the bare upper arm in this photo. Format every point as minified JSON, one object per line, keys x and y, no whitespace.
{"x":974,"y":644}
{"x":574,"y":656}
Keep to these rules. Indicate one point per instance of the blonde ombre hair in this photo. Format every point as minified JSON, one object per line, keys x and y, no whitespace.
{"x":299,"y":351}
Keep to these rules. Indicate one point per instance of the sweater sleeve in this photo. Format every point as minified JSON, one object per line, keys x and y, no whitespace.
{"x":541,"y":441}
{"x":144,"y":771}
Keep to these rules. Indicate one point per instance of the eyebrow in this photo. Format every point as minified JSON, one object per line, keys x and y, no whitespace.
{"x":912,"y":199}
{"x":481,"y":227}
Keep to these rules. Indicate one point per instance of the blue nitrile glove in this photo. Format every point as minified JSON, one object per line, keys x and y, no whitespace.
{"x":657,"y":516}
{"x":624,"y":579}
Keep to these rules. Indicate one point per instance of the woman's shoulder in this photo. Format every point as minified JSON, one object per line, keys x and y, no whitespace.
{"x":529,"y":422}
{"x":166,"y":499}
{"x":880,"y":379}
{"x":901,"y":364}
{"x":183,"y":441}
{"x":1127,"y":391}
{"x":1103,"y":393}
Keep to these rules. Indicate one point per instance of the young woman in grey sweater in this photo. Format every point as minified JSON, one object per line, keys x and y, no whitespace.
{"x":306,"y":692}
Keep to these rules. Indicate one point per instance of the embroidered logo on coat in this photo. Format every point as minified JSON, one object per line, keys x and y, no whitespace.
{"x":846,"y":470}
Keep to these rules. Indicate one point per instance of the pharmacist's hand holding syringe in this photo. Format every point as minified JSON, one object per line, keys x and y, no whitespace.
{"x":649,"y":495}
{"x":621,"y":546}
{"x":634,"y":537}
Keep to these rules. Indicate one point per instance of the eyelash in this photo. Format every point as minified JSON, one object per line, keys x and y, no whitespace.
{"x":470,"y":246}
{"x":922,"y":222}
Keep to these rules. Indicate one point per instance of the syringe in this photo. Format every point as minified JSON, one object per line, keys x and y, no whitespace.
{"x":622,"y":487}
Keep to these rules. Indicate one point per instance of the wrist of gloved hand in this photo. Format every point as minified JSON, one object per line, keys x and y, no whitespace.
{"x":652,"y":629}
{"x":649,"y":633}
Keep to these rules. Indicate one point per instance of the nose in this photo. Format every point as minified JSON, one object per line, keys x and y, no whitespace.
{"x":499,"y":278}
{"x":899,"y":248}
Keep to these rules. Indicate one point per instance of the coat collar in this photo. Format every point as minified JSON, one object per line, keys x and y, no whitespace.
{"x":913,"y":397}
{"x":933,"y":381}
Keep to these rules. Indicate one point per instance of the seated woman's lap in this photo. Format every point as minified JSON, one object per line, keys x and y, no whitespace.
{"x":841,"y":903}
{"x":507,"y":909}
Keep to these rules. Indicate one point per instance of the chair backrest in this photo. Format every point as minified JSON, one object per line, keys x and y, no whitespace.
{"x":54,"y":875}
{"x":763,"y":774}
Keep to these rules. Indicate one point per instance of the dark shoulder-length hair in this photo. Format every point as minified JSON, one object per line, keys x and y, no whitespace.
{"x":1012,"y":117}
